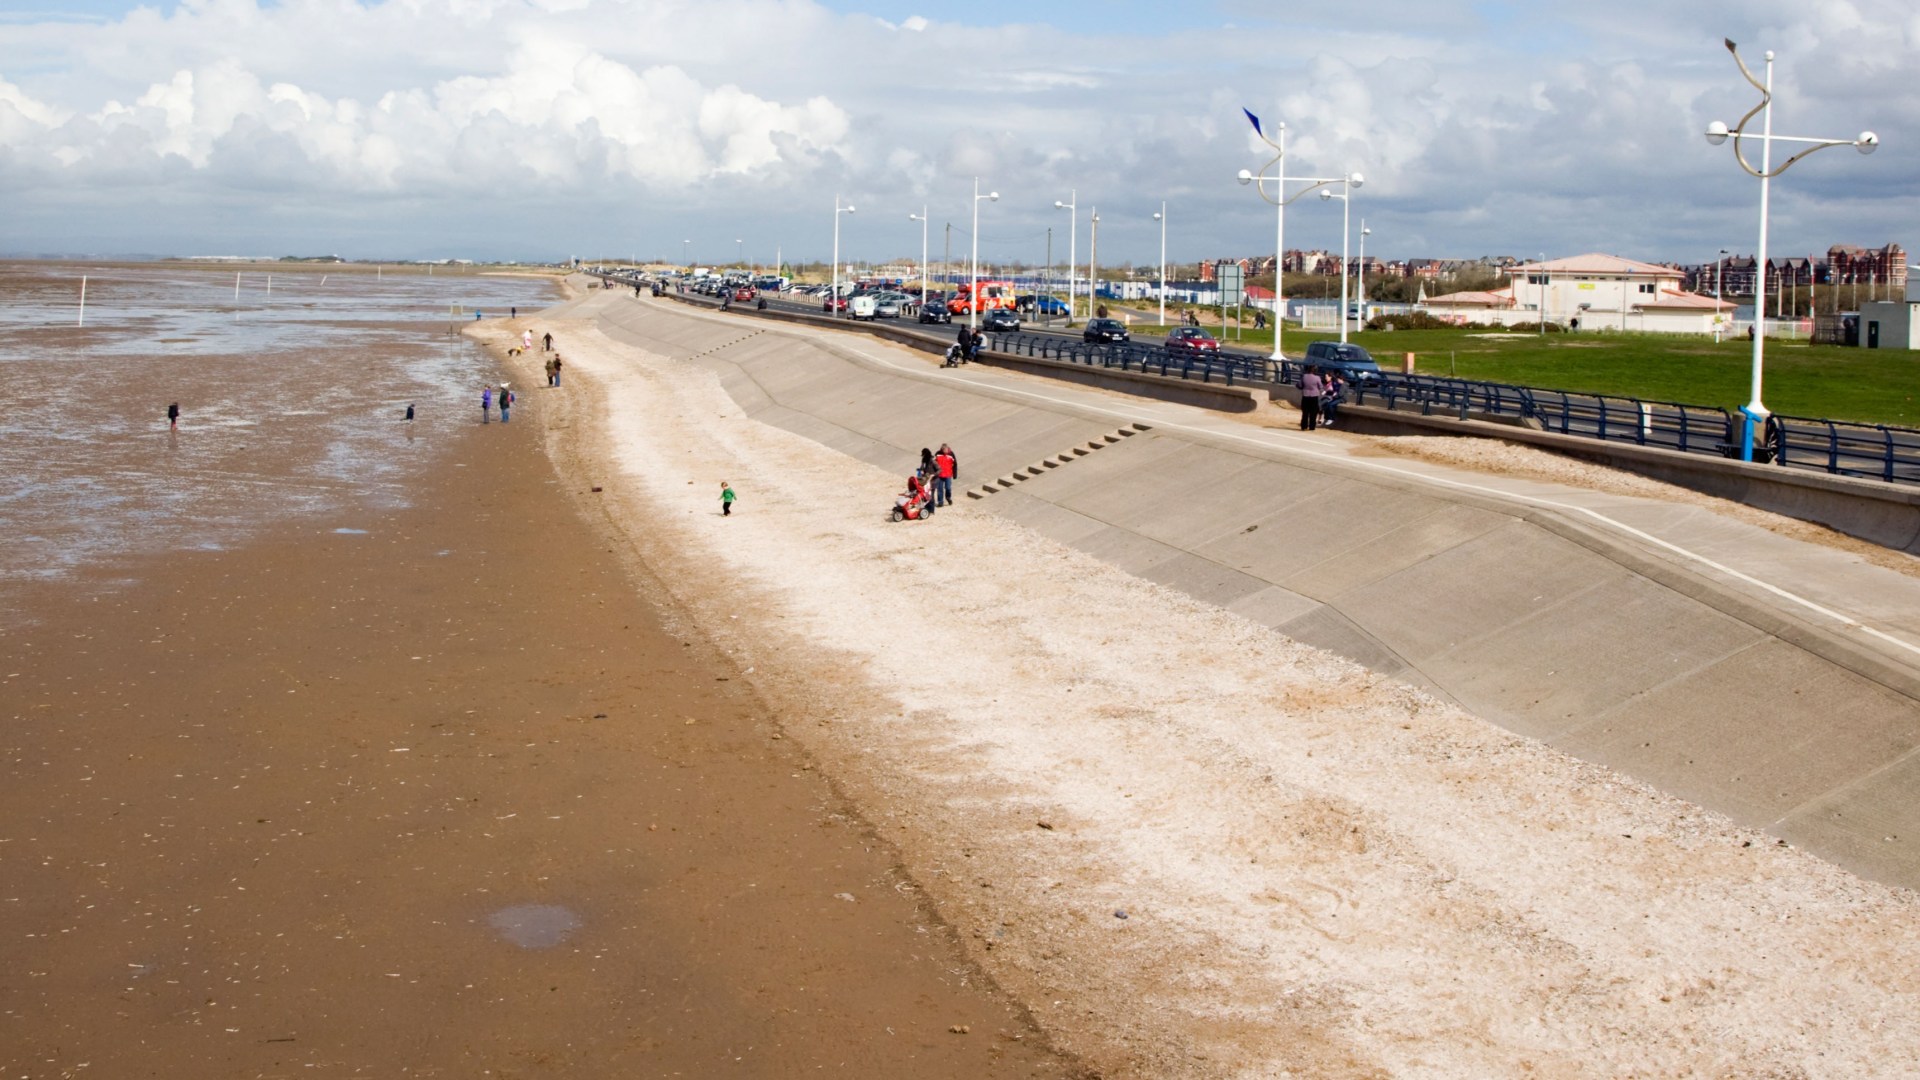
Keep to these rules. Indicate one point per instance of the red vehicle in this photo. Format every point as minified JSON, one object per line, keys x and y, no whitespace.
{"x":833,"y":304}
{"x":744,"y":292}
{"x":1191,"y":341}
{"x":993,"y":295}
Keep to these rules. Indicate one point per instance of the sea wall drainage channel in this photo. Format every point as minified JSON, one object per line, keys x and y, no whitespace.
{"x":727,"y":345}
{"x":1041,"y":467}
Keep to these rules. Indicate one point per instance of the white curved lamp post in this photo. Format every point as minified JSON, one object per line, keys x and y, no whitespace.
{"x":1717,"y":133}
{"x":1280,"y":199}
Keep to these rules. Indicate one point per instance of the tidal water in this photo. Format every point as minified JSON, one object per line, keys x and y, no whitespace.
{"x":292,"y":391}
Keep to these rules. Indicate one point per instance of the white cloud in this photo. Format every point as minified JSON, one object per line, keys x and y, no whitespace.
{"x":1546,"y":127}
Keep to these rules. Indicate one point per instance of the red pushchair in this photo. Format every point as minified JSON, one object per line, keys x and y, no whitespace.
{"x":914,"y":503}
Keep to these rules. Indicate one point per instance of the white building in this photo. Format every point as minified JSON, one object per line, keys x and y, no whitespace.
{"x":1590,"y":292}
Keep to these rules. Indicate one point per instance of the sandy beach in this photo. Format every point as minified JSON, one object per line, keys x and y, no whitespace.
{"x":439,"y":790}
{"x":1194,"y":848}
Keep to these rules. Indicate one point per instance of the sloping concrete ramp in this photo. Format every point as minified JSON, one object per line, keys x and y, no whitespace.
{"x":1531,"y":617}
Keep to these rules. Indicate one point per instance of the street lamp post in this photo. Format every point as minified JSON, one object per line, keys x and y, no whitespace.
{"x":1280,"y":199}
{"x":1361,"y":286}
{"x":1543,"y":294}
{"x":740,"y":252}
{"x":921,"y":217}
{"x":1161,"y":217}
{"x":1093,"y":253}
{"x":973,"y":295}
{"x":1866,"y":142}
{"x":1073,"y":239}
{"x":833,"y":295}
{"x":1347,"y":183}
{"x":686,"y":251}
{"x":1719,"y":264}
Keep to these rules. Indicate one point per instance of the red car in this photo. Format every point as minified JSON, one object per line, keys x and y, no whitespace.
{"x":834,"y":304}
{"x":1191,"y":341}
{"x":744,"y":292}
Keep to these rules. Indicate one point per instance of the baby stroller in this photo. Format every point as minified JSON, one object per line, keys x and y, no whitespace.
{"x":914,"y":503}
{"x":956,"y":355}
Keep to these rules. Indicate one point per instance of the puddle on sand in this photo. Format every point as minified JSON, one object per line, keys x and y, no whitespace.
{"x":351,"y":532}
{"x":535,"y":926}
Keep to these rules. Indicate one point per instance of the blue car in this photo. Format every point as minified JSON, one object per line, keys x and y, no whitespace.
{"x":1042,"y":305}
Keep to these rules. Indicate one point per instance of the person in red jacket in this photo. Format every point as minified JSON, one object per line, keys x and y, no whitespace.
{"x":944,"y":468}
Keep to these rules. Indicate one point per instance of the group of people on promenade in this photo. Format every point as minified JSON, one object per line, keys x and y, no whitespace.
{"x":930,"y":486}
{"x":1320,"y":394}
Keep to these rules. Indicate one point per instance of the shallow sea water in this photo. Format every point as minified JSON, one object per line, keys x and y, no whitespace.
{"x":292,"y":401}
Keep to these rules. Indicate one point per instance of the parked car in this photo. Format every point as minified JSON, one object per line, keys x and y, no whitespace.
{"x":1350,"y":362}
{"x":935,"y":311}
{"x":1191,"y":341}
{"x":1049,"y":306}
{"x":887,"y":306}
{"x":1105,"y":330}
{"x":1000,"y":321}
{"x":863,"y":306}
{"x":833,"y":304}
{"x":744,"y":292}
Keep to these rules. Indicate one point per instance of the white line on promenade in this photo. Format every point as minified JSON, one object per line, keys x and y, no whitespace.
{"x":1274,"y":442}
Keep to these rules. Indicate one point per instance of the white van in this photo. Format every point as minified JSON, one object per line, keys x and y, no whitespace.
{"x":864,"y":306}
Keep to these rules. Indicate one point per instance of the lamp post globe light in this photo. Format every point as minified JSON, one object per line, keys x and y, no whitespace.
{"x":1717,"y":133}
{"x":833,"y":294}
{"x":973,"y":294}
{"x":1073,"y":237}
{"x":1347,"y":184}
{"x":1161,"y":217}
{"x":921,"y":217}
{"x":1280,"y":199}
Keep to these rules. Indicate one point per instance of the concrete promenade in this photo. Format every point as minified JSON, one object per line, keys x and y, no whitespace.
{"x":1771,"y":679}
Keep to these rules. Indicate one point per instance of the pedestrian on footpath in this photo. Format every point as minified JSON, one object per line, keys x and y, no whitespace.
{"x":173,"y":417}
{"x":1311,"y":386}
{"x":726,"y":499}
{"x":944,"y":468}
{"x":486,"y":404}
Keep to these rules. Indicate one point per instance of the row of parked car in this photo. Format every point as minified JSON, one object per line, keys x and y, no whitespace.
{"x":1349,"y":361}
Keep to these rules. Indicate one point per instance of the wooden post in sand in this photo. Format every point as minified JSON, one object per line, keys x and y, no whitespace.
{"x":236,"y":286}
{"x":83,"y":300}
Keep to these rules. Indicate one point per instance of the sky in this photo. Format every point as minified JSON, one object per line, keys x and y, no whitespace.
{"x":717,"y":130}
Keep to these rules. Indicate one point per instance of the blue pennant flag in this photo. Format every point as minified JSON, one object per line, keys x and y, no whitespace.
{"x":1256,"y":121}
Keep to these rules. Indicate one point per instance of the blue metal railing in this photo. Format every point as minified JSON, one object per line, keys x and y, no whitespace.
{"x":1875,"y":451}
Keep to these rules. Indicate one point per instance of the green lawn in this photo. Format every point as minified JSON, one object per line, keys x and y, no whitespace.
{"x":1829,"y":381}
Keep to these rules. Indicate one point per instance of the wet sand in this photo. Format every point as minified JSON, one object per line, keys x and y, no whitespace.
{"x":444,"y":796}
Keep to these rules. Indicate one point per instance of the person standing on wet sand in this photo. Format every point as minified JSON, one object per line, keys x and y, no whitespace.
{"x":173,"y":417}
{"x":506,"y":402}
{"x":726,"y":499}
{"x":486,"y":403}
{"x":546,"y":342}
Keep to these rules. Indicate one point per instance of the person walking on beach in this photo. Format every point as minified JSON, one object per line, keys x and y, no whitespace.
{"x":506,"y":401}
{"x":486,"y":404}
{"x":1311,"y":386}
{"x":546,"y":342}
{"x":409,"y":413}
{"x":526,"y":341}
{"x":944,"y":467}
{"x":173,"y":417}
{"x":556,"y":369}
{"x":726,"y":499}
{"x":549,"y":366}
